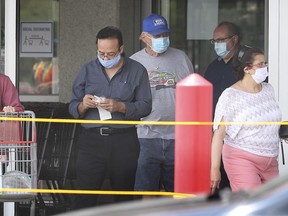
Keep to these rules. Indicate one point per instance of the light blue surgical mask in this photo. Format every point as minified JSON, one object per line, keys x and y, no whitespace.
{"x":221,"y":49}
{"x":159,"y":45}
{"x":109,"y":63}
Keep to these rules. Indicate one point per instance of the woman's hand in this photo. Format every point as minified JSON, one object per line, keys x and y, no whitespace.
{"x":216,"y":151}
{"x":8,"y":109}
{"x":215,"y":179}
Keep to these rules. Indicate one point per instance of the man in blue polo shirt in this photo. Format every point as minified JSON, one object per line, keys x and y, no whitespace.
{"x":226,"y":40}
{"x":110,"y":87}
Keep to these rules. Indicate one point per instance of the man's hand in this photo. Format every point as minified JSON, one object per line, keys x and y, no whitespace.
{"x":112,"y":105}
{"x":87,"y":103}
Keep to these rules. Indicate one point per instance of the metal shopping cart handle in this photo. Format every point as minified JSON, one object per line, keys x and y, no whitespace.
{"x":283,"y":134}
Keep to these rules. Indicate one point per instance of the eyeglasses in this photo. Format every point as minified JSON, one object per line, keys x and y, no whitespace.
{"x":109,"y":55}
{"x":220,"y":40}
{"x":260,"y":65}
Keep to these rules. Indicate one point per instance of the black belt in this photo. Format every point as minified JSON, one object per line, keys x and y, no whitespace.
{"x":106,"y":131}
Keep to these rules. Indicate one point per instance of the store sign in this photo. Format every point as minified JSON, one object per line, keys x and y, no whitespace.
{"x":36,"y":39}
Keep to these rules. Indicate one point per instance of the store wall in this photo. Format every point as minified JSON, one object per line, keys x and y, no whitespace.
{"x":79,"y":23}
{"x":131,"y":15}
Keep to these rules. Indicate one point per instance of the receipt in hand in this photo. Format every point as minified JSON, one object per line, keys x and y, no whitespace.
{"x":104,"y":114}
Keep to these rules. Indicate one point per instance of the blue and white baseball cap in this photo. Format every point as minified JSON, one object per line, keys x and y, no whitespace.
{"x":155,"y":24}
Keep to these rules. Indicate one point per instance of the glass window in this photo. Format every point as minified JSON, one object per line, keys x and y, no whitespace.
{"x":248,"y":14}
{"x":38,"y":41}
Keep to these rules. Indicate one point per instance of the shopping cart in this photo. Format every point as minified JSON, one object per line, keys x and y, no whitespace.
{"x":56,"y":147}
{"x":18,"y":159}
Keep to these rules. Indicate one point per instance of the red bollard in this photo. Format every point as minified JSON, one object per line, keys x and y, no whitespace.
{"x":193,"y":142}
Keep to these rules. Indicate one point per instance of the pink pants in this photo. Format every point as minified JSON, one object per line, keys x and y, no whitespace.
{"x":246,"y":170}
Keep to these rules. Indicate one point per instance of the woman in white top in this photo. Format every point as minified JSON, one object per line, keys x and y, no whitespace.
{"x":250,"y":150}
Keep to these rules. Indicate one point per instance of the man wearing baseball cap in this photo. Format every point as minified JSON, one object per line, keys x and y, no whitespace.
{"x":166,"y":66}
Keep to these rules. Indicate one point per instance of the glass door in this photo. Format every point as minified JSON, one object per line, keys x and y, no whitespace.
{"x":38,"y":42}
{"x":188,"y":34}
{"x":2,"y":36}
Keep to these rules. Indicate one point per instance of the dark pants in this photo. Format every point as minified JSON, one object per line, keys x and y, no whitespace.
{"x":100,"y":156}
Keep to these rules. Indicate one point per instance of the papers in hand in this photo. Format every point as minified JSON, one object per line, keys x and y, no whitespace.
{"x":104,"y":114}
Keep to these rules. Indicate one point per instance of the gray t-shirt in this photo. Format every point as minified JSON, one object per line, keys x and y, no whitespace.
{"x":164,"y":72}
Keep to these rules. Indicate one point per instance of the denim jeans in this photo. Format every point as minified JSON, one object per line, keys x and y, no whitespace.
{"x":155,"y":165}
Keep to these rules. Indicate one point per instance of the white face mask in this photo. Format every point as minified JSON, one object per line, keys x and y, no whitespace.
{"x":260,"y":75}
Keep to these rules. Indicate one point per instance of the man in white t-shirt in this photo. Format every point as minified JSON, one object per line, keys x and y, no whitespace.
{"x":166,"y":66}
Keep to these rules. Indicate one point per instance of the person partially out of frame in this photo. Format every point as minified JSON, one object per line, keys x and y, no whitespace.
{"x":9,"y":97}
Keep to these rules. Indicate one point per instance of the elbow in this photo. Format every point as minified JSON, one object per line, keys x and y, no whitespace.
{"x":73,"y":110}
{"x":148,"y":109}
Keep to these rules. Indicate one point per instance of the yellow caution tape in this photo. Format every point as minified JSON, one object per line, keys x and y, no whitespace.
{"x":150,"y":193}
{"x":99,"y":192}
{"x":84,"y":121}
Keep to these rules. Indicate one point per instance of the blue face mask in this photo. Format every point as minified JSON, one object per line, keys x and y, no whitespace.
{"x":160,"y":45}
{"x":221,"y":49}
{"x":109,"y":63}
